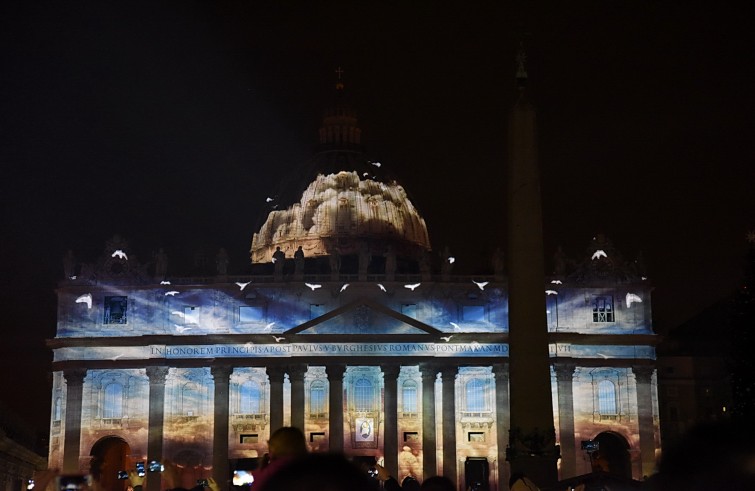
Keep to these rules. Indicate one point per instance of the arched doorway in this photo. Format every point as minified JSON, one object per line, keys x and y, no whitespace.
{"x":110,"y":455}
{"x":612,"y":455}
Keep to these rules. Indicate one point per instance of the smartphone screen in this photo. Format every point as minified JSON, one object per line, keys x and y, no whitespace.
{"x":74,"y":482}
{"x":242,"y":477}
{"x":140,"y":469}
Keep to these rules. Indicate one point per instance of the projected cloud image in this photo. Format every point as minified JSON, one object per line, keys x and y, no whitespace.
{"x":341,"y":206}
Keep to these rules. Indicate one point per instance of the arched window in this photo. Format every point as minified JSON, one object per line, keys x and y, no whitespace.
{"x":112,"y":406}
{"x":189,"y":400}
{"x":317,"y":398}
{"x":409,"y":396}
{"x":475,"y":390}
{"x":364,"y":397}
{"x":249,"y":398}
{"x":57,"y":409}
{"x":606,"y":397}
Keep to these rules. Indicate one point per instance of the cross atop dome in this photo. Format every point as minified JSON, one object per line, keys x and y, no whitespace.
{"x":339,"y":81}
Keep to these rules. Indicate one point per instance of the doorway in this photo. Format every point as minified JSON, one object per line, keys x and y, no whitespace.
{"x":110,"y":455}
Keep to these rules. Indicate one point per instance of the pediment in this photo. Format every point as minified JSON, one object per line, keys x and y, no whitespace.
{"x":364,"y":317}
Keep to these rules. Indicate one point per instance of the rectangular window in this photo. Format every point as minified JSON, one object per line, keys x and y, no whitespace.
{"x":476,"y":437}
{"x":249,"y":438}
{"x":251,"y":314}
{"x":411,"y":437}
{"x":115,"y":310}
{"x":316,"y":310}
{"x":551,"y":311}
{"x":602,"y":309}
{"x":473,"y":313}
{"x":316,"y":436}
{"x":191,"y":315}
{"x":409,"y":310}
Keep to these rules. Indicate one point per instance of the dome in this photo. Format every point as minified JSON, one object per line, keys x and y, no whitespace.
{"x":339,"y":214}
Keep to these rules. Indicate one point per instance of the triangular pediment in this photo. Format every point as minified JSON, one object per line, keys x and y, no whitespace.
{"x":364,"y":317}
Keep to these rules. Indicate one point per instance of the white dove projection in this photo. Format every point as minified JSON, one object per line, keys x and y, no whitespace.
{"x":85,"y":298}
{"x":171,"y":293}
{"x":278,"y":339}
{"x":164,"y":282}
{"x":598,"y":254}
{"x":272,"y":259}
{"x":268,"y":199}
{"x":551,"y":292}
{"x":446,"y":338}
{"x":242,"y":285}
{"x":182,"y":329}
{"x":481,"y":284}
{"x":633,"y":298}
{"x":179,"y":314}
{"x":413,"y":286}
{"x":556,"y":282}
{"x":269,"y":326}
{"x":451,"y":260}
{"x":313,"y":286}
{"x":380,"y":285}
{"x":120,"y":254}
{"x":456,"y":326}
{"x":345,"y":286}
{"x":376,"y":164}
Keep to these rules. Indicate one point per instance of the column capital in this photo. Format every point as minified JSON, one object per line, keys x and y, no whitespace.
{"x":221,"y":373}
{"x":335,"y":371}
{"x":449,"y":372}
{"x":275,"y":374}
{"x":75,"y":376}
{"x":501,"y":371}
{"x":390,"y":370}
{"x":157,"y":374}
{"x":564,"y":371}
{"x":643,"y":373}
{"x":429,"y":372}
{"x":296,"y":371}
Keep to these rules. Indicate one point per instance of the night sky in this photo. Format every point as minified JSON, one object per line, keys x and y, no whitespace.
{"x":170,"y":122}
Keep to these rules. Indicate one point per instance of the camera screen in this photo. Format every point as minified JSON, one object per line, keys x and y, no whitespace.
{"x":155,"y":466}
{"x":122,"y":475}
{"x":75,"y":482}
{"x":140,"y":468}
{"x":242,"y":478}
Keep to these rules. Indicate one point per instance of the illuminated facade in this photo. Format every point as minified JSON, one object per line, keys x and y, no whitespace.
{"x":384,"y":356}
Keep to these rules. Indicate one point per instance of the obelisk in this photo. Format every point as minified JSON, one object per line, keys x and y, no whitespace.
{"x":532,"y":436}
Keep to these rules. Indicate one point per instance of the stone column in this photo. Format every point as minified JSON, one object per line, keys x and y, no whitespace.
{"x":530,"y":379}
{"x":156,"y":377}
{"x":643,"y":376}
{"x":390,"y":432}
{"x":429,"y":443}
{"x":501,"y":375}
{"x":335,"y":407}
{"x":296,"y":377}
{"x":275,"y":375}
{"x":565,"y":376}
{"x":448,"y":375}
{"x":220,"y":472}
{"x":72,"y":444}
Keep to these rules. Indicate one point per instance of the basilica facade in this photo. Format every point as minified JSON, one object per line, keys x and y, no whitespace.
{"x":353,"y":334}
